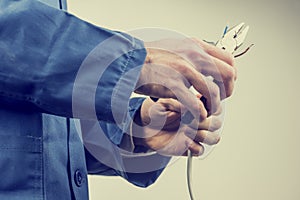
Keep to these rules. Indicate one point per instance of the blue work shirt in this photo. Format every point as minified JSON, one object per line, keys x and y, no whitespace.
{"x":41,"y":51}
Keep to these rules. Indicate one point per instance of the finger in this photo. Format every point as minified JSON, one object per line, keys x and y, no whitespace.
{"x":206,"y":87}
{"x":226,"y":78}
{"x":172,"y":123}
{"x":192,"y":104}
{"x":212,"y":100}
{"x":177,"y":87}
{"x":219,"y":111}
{"x":172,"y":105}
{"x":212,"y":123}
{"x":219,"y":69}
{"x":222,"y":73}
{"x":222,"y":62}
{"x":206,"y":137}
{"x":216,"y":63}
{"x":216,"y":52}
{"x":178,"y":145}
{"x":180,"y":77}
{"x":196,"y":149}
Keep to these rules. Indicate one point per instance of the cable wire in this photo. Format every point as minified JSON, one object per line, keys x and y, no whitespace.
{"x":189,"y":174}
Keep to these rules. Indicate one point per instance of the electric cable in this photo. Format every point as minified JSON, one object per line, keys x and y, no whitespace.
{"x":189,"y":174}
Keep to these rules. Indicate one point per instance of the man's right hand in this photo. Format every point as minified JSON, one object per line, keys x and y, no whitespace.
{"x":172,"y":66}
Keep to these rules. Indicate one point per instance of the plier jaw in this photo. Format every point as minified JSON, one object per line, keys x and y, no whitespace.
{"x":234,"y":38}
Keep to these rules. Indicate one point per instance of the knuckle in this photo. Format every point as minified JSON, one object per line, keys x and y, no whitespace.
{"x":235,"y":73}
{"x":216,"y":124}
{"x":214,"y":139}
{"x":214,"y":91}
{"x":230,"y":74}
{"x":214,"y":98}
{"x":229,"y":93}
{"x":183,"y":70}
{"x":177,"y":62}
{"x":187,"y":131}
{"x":200,"y":151}
{"x":217,"y":139}
{"x":181,"y":75}
{"x":229,"y":90}
{"x":203,"y":112}
{"x":211,"y":50}
{"x":229,"y":81}
{"x":230,"y":59}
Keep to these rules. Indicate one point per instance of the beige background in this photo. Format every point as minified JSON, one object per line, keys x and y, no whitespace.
{"x":259,"y":154}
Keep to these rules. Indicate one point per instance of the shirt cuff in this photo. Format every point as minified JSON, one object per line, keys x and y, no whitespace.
{"x":127,"y":142}
{"x":122,"y":136}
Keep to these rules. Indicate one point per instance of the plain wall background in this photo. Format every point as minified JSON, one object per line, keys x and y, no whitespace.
{"x":259,"y":154}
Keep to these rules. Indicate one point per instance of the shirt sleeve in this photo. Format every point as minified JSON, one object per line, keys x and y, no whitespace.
{"x":140,"y":179}
{"x":106,"y":155}
{"x":55,"y":63}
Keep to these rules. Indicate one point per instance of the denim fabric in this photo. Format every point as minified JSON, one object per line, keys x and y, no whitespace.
{"x":41,"y":51}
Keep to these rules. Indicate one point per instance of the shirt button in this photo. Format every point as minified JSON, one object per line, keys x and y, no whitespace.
{"x":79,"y":178}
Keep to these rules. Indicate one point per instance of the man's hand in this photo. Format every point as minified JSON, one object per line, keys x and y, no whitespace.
{"x":160,"y":129}
{"x":172,"y":66}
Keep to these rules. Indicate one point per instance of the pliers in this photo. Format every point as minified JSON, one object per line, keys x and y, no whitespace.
{"x":233,"y":39}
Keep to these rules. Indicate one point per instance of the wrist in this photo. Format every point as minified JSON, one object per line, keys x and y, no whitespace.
{"x":137,"y":128}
